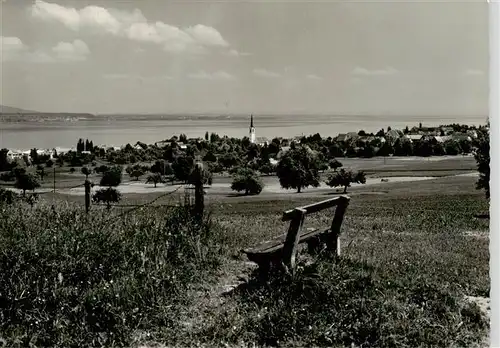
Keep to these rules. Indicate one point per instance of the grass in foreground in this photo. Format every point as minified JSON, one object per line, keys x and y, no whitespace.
{"x":70,"y":280}
{"x":406,"y":267}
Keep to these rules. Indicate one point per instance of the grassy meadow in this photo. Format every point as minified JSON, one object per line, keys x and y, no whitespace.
{"x":412,"y":255}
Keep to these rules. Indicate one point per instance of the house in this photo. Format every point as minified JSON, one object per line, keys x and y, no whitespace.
{"x":394,"y":134}
{"x":341,"y":137}
{"x":472,"y":133}
{"x":261,"y":141}
{"x":413,"y":137}
{"x":442,"y":139}
{"x":461,"y":137}
{"x":447,"y":130}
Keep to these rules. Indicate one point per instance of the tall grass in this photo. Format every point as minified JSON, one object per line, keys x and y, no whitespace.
{"x":72,"y":280}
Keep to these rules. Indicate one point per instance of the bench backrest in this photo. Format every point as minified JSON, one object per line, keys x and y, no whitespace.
{"x":316,"y":207}
{"x":296,"y":217}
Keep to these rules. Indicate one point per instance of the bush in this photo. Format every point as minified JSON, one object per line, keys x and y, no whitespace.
{"x":7,"y":176}
{"x":77,"y":280}
{"x":247,"y":180}
{"x":7,"y":196}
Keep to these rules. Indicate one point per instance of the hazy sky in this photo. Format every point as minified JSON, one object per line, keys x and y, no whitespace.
{"x":157,"y":56}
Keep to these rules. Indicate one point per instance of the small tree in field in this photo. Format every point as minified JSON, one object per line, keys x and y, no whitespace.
{"x":482,"y":157}
{"x":155,"y":178}
{"x":137,"y":173}
{"x":344,"y":178}
{"x":247,"y":180}
{"x":297,"y":169}
{"x":108,"y":195}
{"x":86,"y":171}
{"x":110,"y":178}
{"x":27,"y":182}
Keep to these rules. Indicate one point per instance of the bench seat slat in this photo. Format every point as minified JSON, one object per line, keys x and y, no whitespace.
{"x":277,"y":243}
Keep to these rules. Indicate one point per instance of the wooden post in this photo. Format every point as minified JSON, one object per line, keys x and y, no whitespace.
{"x":292,"y":238}
{"x":87,"y":196}
{"x":54,"y":179}
{"x":333,"y":240}
{"x":199,"y":202}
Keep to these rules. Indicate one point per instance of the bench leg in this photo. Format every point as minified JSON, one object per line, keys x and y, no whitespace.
{"x":264,"y":269}
{"x":314,"y":246}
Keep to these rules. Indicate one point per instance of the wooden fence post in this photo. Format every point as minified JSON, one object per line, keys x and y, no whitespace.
{"x":333,"y":240}
{"x":292,"y":238}
{"x":87,"y":196}
{"x":199,"y":201}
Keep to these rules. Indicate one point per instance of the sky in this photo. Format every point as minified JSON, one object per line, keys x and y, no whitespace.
{"x":158,"y":56}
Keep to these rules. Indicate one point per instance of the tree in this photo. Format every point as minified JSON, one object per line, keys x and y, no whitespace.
{"x":182,"y":167}
{"x":206,"y":176}
{"x":452,"y":148}
{"x":137,"y":173}
{"x":344,"y":178}
{"x":49,"y":163}
{"x":26,"y":182}
{"x":207,"y":136}
{"x":209,"y":157}
{"x":4,"y":161}
{"x":247,"y":180}
{"x":386,"y":149}
{"x":335,"y":151}
{"x":334,"y":164}
{"x":112,"y":177}
{"x":183,"y":138}
{"x":108,"y":195}
{"x":297,"y":169}
{"x":482,"y":157}
{"x":86,"y":171}
{"x":155,"y":178}
{"x":80,"y":146}
{"x":40,"y":170}
{"x":34,"y":156}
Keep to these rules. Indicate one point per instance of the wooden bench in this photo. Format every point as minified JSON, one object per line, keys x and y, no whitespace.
{"x":281,"y":251}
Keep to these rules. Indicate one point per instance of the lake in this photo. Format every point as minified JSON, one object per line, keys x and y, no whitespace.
{"x":121,"y":129}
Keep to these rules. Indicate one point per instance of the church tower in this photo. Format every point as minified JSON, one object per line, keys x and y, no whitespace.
{"x":252,"y":131}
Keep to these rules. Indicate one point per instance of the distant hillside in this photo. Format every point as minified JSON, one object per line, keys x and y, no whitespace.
{"x":4,"y":109}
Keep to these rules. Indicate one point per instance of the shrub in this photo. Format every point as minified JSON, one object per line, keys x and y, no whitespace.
{"x":7,"y":196}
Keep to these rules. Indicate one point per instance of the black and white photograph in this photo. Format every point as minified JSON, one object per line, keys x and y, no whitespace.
{"x":245,"y":173}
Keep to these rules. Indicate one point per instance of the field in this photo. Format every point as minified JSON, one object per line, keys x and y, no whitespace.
{"x":414,"y":270}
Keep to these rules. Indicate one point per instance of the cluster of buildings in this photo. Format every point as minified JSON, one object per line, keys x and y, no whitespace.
{"x":437,"y":134}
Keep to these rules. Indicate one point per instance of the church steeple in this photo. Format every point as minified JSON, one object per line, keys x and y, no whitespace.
{"x":252,"y":130}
